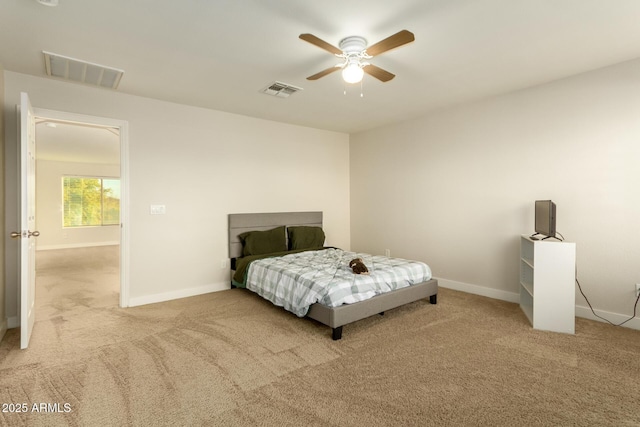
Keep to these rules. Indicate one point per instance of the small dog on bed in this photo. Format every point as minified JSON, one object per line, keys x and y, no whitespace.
{"x":358,"y":267}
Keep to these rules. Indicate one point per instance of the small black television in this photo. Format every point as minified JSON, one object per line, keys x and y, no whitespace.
{"x":545,"y":218}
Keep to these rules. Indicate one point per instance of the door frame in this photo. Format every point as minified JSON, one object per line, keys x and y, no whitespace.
{"x":123,"y":127}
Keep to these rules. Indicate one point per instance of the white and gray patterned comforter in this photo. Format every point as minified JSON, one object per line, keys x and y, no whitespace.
{"x":298,"y":280}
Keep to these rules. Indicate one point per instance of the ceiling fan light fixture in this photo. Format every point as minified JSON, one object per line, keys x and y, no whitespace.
{"x":353,"y":44}
{"x":352,"y":73}
{"x":354,"y":51}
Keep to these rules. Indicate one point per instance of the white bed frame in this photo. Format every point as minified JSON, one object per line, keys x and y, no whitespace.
{"x":336,"y":317}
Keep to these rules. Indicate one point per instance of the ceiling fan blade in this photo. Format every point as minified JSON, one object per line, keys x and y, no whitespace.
{"x":323,"y":73}
{"x":320,"y":43}
{"x":398,"y":39}
{"x":378,"y":73}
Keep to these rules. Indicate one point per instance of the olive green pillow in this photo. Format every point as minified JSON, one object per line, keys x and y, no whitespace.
{"x":305,"y":237}
{"x":263,"y":242}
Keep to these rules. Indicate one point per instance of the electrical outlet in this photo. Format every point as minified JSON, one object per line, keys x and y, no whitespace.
{"x":223,"y":264}
{"x":637,"y":289}
{"x":387,"y":252}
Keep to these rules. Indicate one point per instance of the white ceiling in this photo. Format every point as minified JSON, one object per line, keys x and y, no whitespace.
{"x":69,"y":142}
{"x":219,"y":54}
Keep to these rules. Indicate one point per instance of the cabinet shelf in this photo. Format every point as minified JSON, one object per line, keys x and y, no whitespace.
{"x":547,"y":284}
{"x":527,"y":261}
{"x":528,"y":287}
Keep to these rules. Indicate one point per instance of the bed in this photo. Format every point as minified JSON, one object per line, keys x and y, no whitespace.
{"x":357,"y":307}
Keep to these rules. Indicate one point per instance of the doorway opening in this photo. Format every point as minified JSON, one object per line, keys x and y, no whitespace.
{"x":81,"y":211}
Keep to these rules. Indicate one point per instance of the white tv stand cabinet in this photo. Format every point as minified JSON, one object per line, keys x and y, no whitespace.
{"x":547,"y":284}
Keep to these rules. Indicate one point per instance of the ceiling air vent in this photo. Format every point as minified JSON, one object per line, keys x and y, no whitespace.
{"x":81,"y":71}
{"x":281,"y":90}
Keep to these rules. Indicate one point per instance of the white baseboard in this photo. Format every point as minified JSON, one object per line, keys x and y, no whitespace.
{"x":581,"y":311}
{"x":76,"y":245}
{"x":3,"y":328}
{"x":479,"y":290}
{"x":13,"y":322}
{"x":615,"y":318}
{"x":182,"y":293}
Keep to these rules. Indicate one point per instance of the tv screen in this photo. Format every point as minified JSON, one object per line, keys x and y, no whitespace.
{"x":545,"y":218}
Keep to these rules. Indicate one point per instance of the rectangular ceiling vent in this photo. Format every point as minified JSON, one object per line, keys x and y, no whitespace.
{"x":81,"y":71}
{"x":281,"y":90}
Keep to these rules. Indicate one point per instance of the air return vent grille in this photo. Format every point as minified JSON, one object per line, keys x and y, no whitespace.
{"x":81,"y":71}
{"x":281,"y":90}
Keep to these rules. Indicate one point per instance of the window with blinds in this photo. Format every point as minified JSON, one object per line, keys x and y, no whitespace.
{"x":90,"y":201}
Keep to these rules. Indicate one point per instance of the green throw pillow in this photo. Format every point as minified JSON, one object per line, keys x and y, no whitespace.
{"x":304,"y":237}
{"x":263,"y":242}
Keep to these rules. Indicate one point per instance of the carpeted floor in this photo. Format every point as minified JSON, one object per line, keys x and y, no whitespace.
{"x":232,"y":359}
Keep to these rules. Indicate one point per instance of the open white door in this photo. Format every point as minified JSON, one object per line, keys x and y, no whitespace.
{"x":28,"y":219}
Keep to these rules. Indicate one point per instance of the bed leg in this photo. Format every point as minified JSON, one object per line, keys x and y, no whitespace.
{"x":433,"y":299}
{"x":337,"y":333}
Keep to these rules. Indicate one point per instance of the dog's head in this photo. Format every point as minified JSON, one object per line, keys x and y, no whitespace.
{"x":355,"y":261}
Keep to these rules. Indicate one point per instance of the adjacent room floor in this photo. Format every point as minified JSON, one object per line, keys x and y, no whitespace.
{"x":76,"y":279}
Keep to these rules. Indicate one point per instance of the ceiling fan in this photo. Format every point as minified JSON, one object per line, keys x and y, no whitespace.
{"x":354,"y":52}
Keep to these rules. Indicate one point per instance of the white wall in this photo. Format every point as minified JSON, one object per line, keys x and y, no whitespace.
{"x":49,"y":206}
{"x":202,"y":165}
{"x":457,"y":188}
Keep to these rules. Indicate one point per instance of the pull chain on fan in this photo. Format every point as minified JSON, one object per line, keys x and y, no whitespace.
{"x":361,"y":89}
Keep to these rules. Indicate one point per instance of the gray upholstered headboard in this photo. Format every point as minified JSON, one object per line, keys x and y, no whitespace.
{"x":240,"y":223}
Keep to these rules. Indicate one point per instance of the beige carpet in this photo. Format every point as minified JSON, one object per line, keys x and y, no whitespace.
{"x":232,"y":359}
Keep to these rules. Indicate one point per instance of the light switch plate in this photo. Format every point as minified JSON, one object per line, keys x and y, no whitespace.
{"x":157,"y":209}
